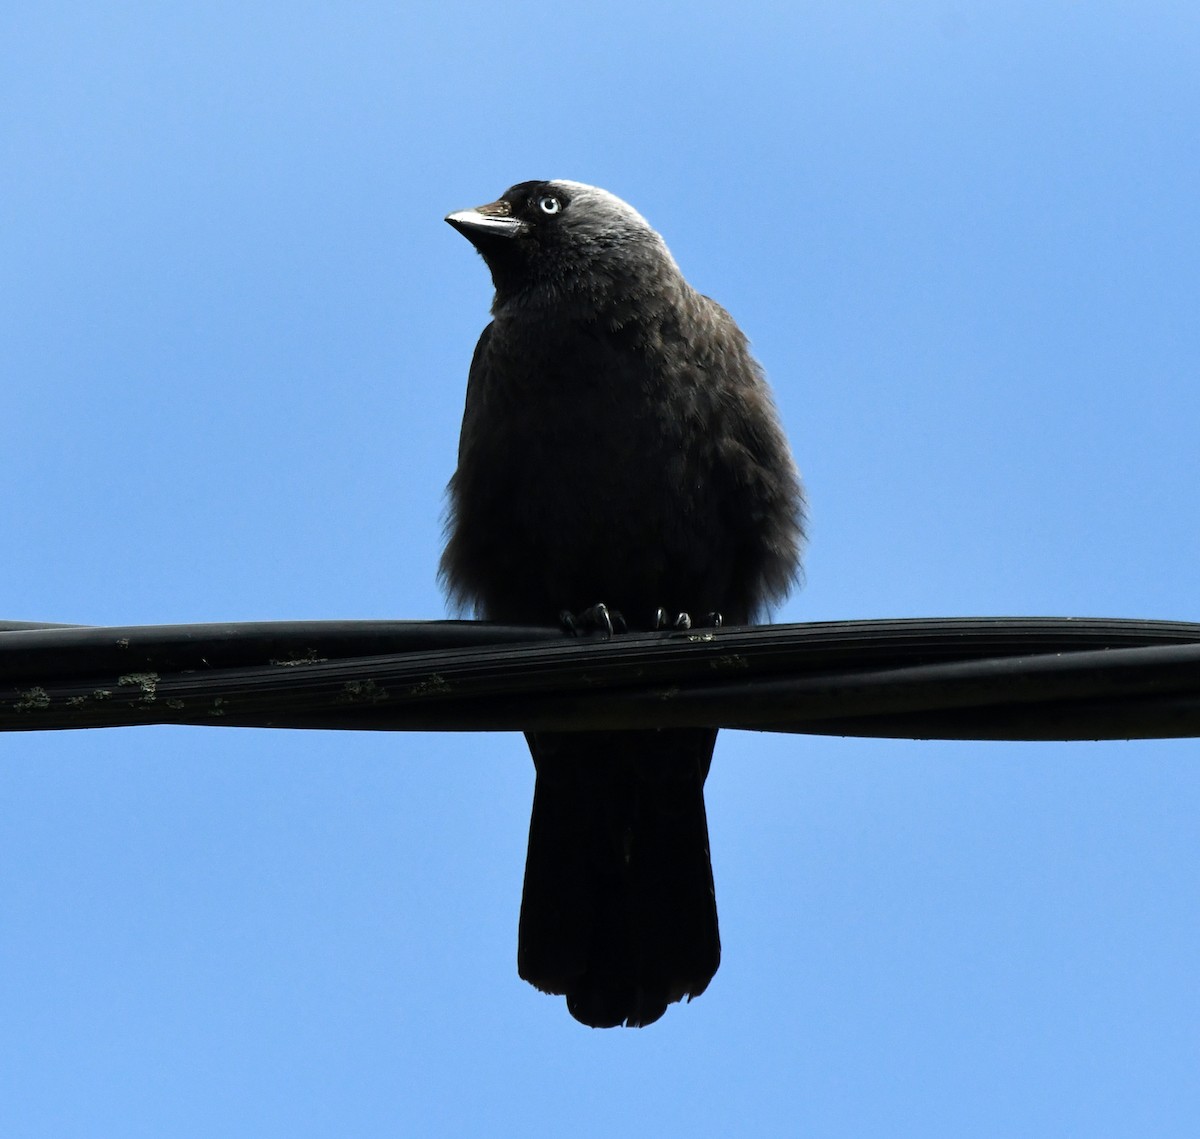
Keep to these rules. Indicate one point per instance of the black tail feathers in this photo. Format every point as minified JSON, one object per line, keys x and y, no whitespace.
{"x":619,"y":912}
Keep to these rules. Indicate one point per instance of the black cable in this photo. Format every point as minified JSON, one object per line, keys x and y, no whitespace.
{"x":986,"y":678}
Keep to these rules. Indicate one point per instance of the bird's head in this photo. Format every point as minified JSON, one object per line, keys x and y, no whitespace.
{"x":559,"y":241}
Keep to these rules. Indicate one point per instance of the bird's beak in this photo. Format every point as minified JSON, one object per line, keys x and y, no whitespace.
{"x":493,"y":220}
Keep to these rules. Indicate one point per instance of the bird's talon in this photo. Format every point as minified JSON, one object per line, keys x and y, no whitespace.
{"x":682,"y":621}
{"x":598,"y":618}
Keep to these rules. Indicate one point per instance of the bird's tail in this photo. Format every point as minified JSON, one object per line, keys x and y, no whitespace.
{"x":619,"y":912}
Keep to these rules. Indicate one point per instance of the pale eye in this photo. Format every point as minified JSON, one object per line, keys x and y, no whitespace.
{"x":549,"y":204}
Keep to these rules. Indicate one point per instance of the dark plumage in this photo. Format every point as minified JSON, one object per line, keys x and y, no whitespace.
{"x":619,"y":445}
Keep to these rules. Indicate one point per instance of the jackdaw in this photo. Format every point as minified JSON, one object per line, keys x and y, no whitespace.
{"x":619,"y":446}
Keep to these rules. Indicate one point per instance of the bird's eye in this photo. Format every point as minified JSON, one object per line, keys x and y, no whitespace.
{"x":549,"y":204}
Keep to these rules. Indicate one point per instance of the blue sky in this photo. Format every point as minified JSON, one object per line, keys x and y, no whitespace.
{"x":234,"y":336}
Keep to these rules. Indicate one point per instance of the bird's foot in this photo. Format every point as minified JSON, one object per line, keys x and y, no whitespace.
{"x":598,"y":618}
{"x":683,"y":621}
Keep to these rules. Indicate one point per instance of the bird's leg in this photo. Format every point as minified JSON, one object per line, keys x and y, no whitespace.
{"x":598,"y":618}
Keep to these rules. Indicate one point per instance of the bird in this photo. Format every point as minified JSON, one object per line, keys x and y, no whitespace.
{"x":621,"y":460}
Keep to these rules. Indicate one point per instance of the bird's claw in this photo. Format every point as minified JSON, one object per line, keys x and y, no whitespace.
{"x":683,"y":621}
{"x":598,"y":618}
